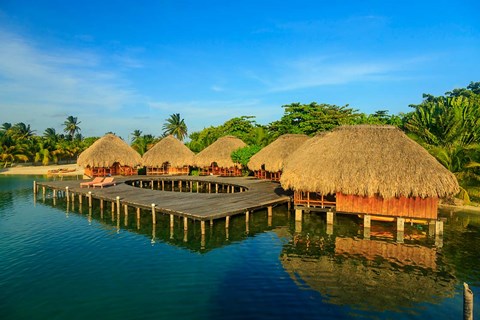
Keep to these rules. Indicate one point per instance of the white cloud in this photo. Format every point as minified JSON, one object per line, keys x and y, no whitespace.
{"x":54,"y":80}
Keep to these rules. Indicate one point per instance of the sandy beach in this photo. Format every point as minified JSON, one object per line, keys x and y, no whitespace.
{"x":42,"y":170}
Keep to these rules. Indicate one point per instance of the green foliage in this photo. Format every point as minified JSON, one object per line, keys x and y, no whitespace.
{"x":143,"y":143}
{"x":449,"y":128}
{"x":312,"y":118}
{"x":175,"y":126}
{"x":244,"y":154}
{"x":194,"y":172}
{"x":244,"y":128}
{"x":71,"y":126}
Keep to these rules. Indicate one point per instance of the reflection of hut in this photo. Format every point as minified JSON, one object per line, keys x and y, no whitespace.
{"x":109,"y":155}
{"x":368,"y":169}
{"x":168,"y":156}
{"x":369,"y":284}
{"x":216,"y":159}
{"x":268,"y":162}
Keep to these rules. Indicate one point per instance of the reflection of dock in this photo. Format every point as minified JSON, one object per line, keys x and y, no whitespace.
{"x":197,"y":198}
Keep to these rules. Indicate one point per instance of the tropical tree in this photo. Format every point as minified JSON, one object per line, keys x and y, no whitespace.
{"x":71,"y":126}
{"x":175,"y":126}
{"x":50,"y":135}
{"x":22,"y":131}
{"x":144,"y":143}
{"x":136,"y":134}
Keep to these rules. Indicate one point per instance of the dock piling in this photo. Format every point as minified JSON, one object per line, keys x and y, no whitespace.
{"x":467,"y":302}
{"x":89,"y":199}
{"x":154,"y":218}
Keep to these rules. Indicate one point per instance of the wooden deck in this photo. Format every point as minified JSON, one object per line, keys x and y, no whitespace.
{"x":198,"y":206}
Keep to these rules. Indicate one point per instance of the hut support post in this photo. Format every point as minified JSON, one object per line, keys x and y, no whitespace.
{"x":138,"y":214}
{"x":202,"y":227}
{"x":298,"y":215}
{"x":439,"y":227}
{"x":269,"y":211}
{"x":227,"y":222}
{"x":247,"y":216}
{"x":66,"y":194}
{"x":400,"y":224}
{"x":367,"y":221}
{"x":431,"y":228}
{"x":126,"y":214}
{"x":172,"y":221}
{"x":329,"y":217}
{"x":89,"y":199}
{"x":467,"y":302}
{"x":54,"y":193}
{"x":101,"y":204}
{"x":154,"y":218}
{"x":185,"y":224}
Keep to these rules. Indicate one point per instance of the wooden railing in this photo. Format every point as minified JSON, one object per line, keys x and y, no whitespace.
{"x":314,"y":199}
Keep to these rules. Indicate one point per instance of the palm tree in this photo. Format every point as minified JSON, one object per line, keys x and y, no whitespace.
{"x":71,"y":126}
{"x":22,"y":131}
{"x":175,"y":126}
{"x":50,"y":135}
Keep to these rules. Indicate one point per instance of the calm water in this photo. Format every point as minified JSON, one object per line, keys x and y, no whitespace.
{"x":69,"y":263}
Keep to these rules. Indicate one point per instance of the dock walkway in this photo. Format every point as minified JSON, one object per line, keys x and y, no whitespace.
{"x":252,"y":195}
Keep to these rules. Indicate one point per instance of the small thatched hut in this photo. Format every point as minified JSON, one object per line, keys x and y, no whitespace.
{"x":216,"y":160}
{"x":268,"y":162}
{"x":109,"y":155}
{"x":168,"y":156}
{"x":368,"y":169}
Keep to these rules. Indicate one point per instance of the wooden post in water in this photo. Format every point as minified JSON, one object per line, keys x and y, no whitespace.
{"x":202,"y":227}
{"x":209,"y":187}
{"x":439,"y":227}
{"x":185,"y":223}
{"x":298,"y":214}
{"x":118,"y":206}
{"x":89,"y":199}
{"x":101,"y":204}
{"x":247,"y":216}
{"x":400,"y":224}
{"x":66,"y":194}
{"x":80,"y":198}
{"x":329,"y":217}
{"x":180,"y":186}
{"x":154,"y":218}
{"x":216,"y":187}
{"x":269,"y":211}
{"x":43,"y":191}
{"x":126,"y":214}
{"x":197,"y":186}
{"x":367,"y":221}
{"x":227,"y":222}
{"x":467,"y":302}
{"x":172,"y":221}
{"x":54,"y":193}
{"x":163,"y":185}
{"x":34,"y":187}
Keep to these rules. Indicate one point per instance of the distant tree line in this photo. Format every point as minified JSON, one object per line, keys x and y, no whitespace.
{"x":447,"y":126}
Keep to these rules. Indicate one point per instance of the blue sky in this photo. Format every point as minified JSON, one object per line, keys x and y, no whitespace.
{"x":120,"y":66}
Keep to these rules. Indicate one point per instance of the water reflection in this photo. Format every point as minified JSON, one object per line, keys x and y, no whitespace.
{"x":374,"y":269}
{"x":374,"y":272}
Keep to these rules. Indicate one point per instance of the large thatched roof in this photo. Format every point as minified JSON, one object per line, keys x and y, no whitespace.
{"x":273,"y":156}
{"x":171,"y":150}
{"x":106,"y":151}
{"x":219,"y":152}
{"x":365,"y":161}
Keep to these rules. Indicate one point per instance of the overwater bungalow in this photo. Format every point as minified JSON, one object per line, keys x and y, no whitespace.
{"x":268,"y":162}
{"x":216,"y":159}
{"x":371,"y":170}
{"x":109,"y":155}
{"x":168,"y":156}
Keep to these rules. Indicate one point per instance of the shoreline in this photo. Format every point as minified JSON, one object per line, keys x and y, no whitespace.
{"x":43,"y":170}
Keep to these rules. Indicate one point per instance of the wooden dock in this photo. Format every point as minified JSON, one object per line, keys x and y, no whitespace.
{"x":197,"y":198}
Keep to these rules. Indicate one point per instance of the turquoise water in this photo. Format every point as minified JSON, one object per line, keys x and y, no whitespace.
{"x":59,"y":262}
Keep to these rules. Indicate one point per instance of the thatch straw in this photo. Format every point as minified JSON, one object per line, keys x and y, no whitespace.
{"x":219,"y":152}
{"x":367,"y":161}
{"x":170,"y":150}
{"x":108,"y":150}
{"x":273,"y":156}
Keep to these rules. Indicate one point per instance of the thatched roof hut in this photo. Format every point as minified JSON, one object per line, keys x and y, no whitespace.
{"x":367,"y":161}
{"x":273,"y":156}
{"x":170,"y":150}
{"x":107,"y":151}
{"x":219,"y":152}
